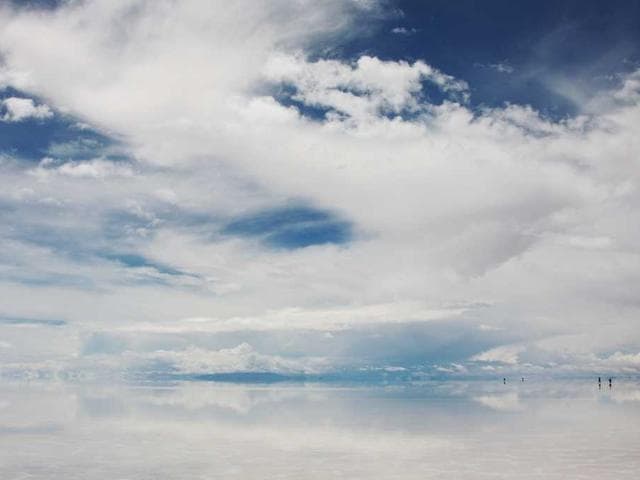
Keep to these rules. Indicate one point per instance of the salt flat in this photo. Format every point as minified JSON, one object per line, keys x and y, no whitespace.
{"x":196,"y":430}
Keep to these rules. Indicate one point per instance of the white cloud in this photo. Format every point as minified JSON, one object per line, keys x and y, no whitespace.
{"x":241,"y":358}
{"x":363,"y":90}
{"x":504,"y":354}
{"x":630,"y":91}
{"x":404,"y":31}
{"x":20,"y":109}
{"x":326,"y":319}
{"x":501,"y":67}
{"x":96,"y":168}
{"x":588,"y":242}
{"x":449,"y":206}
{"x":625,"y":362}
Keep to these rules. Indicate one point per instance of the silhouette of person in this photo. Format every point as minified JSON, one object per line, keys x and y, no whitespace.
{"x":609,"y":382}
{"x":523,"y":379}
{"x":504,"y":380}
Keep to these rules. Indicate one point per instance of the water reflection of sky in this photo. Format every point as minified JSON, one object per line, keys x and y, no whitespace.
{"x":207,"y":430}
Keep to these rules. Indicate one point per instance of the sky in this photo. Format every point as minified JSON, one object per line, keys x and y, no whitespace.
{"x":355,"y":187}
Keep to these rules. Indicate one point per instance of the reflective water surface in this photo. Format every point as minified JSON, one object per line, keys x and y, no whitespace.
{"x":480,"y":429}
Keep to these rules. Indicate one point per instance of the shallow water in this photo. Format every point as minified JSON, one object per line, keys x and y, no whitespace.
{"x":199,"y":430}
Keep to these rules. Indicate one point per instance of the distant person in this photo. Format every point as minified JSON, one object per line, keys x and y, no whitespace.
{"x":609,"y":382}
{"x":523,"y":379}
{"x":504,"y":380}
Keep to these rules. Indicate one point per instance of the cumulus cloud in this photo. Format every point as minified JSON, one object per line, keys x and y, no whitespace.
{"x":227,"y":111}
{"x":20,"y":109}
{"x":241,"y":358}
{"x":365,"y":90}
{"x":621,"y":362}
{"x":504,"y":354}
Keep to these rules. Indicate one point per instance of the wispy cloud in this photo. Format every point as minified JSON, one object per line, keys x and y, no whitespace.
{"x":404,"y":31}
{"x":35,"y":322}
{"x":500,"y":67}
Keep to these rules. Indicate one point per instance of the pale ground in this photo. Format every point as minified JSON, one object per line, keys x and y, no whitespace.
{"x":475,"y":430}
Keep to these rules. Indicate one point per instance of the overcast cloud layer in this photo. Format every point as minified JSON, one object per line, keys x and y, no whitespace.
{"x":237,"y":197}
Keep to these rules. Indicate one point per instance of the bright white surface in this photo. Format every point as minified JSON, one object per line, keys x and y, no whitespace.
{"x":477,"y":430}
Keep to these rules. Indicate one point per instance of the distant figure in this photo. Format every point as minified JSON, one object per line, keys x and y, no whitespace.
{"x":504,"y":380}
{"x":609,"y":382}
{"x":599,"y":384}
{"x":523,"y":379}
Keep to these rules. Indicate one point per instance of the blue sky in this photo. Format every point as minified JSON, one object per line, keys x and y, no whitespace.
{"x":300,"y":188}
{"x":511,"y":52}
